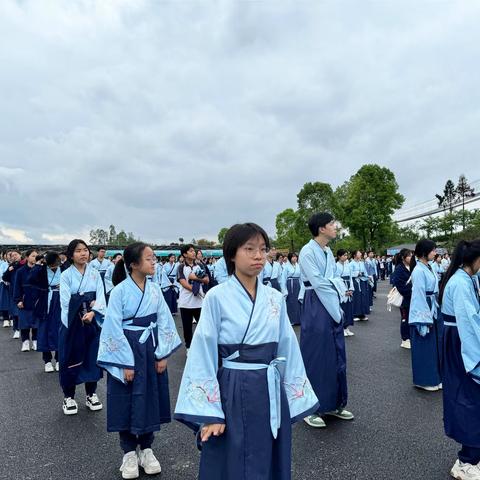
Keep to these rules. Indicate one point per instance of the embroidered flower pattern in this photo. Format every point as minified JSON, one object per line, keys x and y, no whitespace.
{"x":203,"y":392}
{"x":109,"y":345}
{"x":300,"y":387}
{"x":274,"y":308}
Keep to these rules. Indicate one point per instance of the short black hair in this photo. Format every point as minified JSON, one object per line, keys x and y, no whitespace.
{"x":424,"y":247}
{"x":238,"y":235}
{"x":116,"y":255}
{"x":51,"y":258}
{"x":185,"y":248}
{"x":101,"y":248}
{"x":291,"y":255}
{"x":319,"y":220}
{"x":73,"y":245}
{"x":39,"y":257}
{"x":341,"y":252}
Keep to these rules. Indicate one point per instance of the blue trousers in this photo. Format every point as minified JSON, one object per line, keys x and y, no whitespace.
{"x":129,"y":441}
{"x":469,"y":455}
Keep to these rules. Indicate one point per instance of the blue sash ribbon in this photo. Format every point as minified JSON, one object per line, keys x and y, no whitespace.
{"x":274,"y":381}
{"x":147,"y":331}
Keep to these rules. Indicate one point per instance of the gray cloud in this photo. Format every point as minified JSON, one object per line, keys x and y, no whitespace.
{"x":175,"y":119}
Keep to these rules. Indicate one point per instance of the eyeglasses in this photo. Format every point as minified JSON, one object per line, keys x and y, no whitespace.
{"x":251,"y":251}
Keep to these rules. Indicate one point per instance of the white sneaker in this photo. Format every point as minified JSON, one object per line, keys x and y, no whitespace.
{"x":315,"y":421}
{"x":34,"y":345}
{"x":49,"y":367}
{"x":6,"y":323}
{"x":16,"y":334}
{"x":26,"y":346}
{"x":57,"y":366}
{"x":345,"y":333}
{"x":11,"y":323}
{"x":356,"y":319}
{"x":129,"y":466}
{"x":93,"y":403}
{"x":349,"y":332}
{"x":147,"y":460}
{"x":70,"y":406}
{"x":436,"y":388}
{"x":406,"y":344}
{"x":465,"y":471}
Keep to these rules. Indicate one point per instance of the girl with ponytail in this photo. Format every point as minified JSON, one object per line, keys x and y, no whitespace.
{"x":460,"y":309}
{"x":138,"y":336}
{"x":424,"y":326}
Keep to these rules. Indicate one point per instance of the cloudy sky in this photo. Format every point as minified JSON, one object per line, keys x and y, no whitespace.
{"x":178,"y":118}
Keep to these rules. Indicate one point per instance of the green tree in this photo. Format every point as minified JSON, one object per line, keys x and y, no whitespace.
{"x":112,"y":236}
{"x":287,"y":235}
{"x":203,"y":242}
{"x":122,"y":238}
{"x":449,"y":197}
{"x":313,"y":197}
{"x":221,"y":235}
{"x":371,"y":198}
{"x":430,"y":226}
{"x":463,"y":191}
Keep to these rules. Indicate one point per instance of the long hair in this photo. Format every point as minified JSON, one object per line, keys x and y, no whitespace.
{"x":464,"y":255}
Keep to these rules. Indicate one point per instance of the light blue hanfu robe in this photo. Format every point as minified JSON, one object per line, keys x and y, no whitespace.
{"x":259,"y":388}
{"x":101,"y":267}
{"x":343,"y":271}
{"x":322,"y":340}
{"x":170,"y":286}
{"x":138,"y":330}
{"x":271,"y":274}
{"x":221,"y":273}
{"x":361,"y":294}
{"x":371,"y":269}
{"x":4,"y":291}
{"x":461,"y":359}
{"x":108,"y":278}
{"x":290,"y":286}
{"x":78,"y":341}
{"x":425,"y":330}
{"x":438,"y":270}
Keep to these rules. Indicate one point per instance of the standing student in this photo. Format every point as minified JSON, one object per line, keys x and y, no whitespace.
{"x":271,"y":273}
{"x":401,"y":280}
{"x":437,"y":267}
{"x":244,"y":382}
{"x":460,"y":305}
{"x":371,"y":268}
{"x":101,"y":263}
{"x":64,"y":263}
{"x":290,"y":285}
{"x":9,"y":277}
{"x":4,"y":293}
{"x":46,"y":280}
{"x":24,"y":296}
{"x":138,"y":336}
{"x":322,"y":341}
{"x":189,"y":301}
{"x":425,"y":329}
{"x":169,"y":283}
{"x":82,"y":300}
{"x":108,"y":275}
{"x":221,"y":274}
{"x":361,"y":295}
{"x":343,"y":271}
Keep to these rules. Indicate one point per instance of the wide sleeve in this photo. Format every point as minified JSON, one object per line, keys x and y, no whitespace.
{"x":100,"y":304}
{"x":18,"y":292}
{"x":467,"y":314}
{"x":324,"y":288}
{"x":114,"y":352}
{"x":108,"y":278}
{"x":65,"y":296}
{"x":420,"y":312}
{"x":283,"y":280}
{"x":168,"y":339}
{"x":199,"y":395}
{"x":302,"y":401}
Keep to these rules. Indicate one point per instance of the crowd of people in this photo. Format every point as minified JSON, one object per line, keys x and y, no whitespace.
{"x":246,"y":377}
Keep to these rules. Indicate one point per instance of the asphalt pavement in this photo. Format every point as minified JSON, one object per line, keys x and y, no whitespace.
{"x":397,"y":432}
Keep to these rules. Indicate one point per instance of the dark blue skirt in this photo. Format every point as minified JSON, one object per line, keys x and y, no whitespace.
{"x":323,"y":350}
{"x":49,"y":325}
{"x":78,"y":345}
{"x":426,"y":356}
{"x":142,"y":405}
{"x":4,"y":297}
{"x":347,"y":308}
{"x":275,"y":284}
{"x":293,"y":305}
{"x":26,"y":319}
{"x":13,"y":309}
{"x":361,"y":301}
{"x":461,"y":394}
{"x":247,"y":449}
{"x":170,"y":296}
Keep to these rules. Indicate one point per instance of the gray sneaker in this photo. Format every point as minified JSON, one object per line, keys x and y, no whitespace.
{"x":342,"y":414}
{"x":315,"y":421}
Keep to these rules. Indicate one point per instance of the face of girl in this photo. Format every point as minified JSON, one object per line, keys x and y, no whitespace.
{"x":147,"y":262}
{"x":81,"y":254}
{"x":358,"y":256}
{"x":431,"y":255}
{"x":31,"y":258}
{"x":250,"y":257}
{"x":294,"y":260}
{"x":343,"y":258}
{"x":476,"y":266}
{"x":407,"y":259}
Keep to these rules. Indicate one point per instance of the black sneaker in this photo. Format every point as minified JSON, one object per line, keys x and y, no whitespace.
{"x":93,"y":403}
